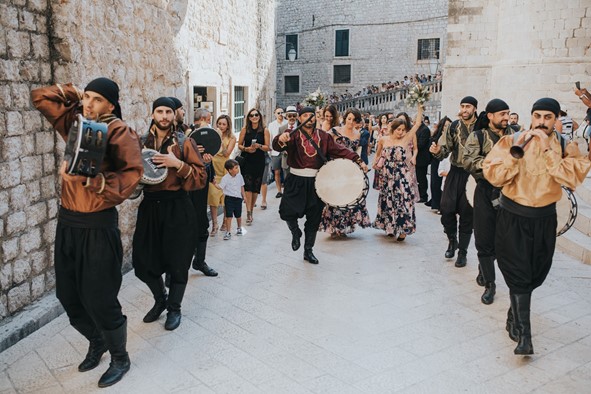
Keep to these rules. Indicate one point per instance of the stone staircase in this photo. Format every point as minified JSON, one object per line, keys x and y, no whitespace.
{"x":576,"y":242}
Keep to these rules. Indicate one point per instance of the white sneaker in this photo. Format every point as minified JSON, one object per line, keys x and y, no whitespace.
{"x":239,"y":231}
{"x":227,"y":236}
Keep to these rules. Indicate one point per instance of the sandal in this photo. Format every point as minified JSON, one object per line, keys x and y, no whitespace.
{"x":401,"y":237}
{"x":248,"y":218}
{"x":264,"y":206}
{"x":214,"y":231}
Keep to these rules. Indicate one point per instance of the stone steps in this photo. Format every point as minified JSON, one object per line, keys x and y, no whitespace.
{"x":576,"y":242}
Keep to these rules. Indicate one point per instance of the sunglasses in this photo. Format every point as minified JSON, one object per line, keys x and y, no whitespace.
{"x":253,"y":115}
{"x":278,"y":113}
{"x":292,"y":116}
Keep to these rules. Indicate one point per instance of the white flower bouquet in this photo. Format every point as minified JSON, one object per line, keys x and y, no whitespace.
{"x":315,"y":99}
{"x":417,"y":94}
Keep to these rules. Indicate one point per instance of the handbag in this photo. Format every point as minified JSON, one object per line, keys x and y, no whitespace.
{"x":380,"y":163}
{"x":241,"y":160}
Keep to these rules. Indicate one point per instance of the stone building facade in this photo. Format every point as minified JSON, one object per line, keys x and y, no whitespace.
{"x":518,"y":50}
{"x":218,"y":57}
{"x":373,"y":41}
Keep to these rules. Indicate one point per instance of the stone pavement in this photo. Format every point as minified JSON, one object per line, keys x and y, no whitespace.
{"x":376,"y":316}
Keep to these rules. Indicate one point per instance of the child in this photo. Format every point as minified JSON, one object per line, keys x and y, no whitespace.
{"x":232,"y":184}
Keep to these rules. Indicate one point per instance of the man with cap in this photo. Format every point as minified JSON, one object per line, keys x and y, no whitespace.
{"x":453,"y":199}
{"x":307,"y":150}
{"x":88,"y":250}
{"x":164,"y":238}
{"x":291,"y":114}
{"x":276,"y":156}
{"x":486,"y":196}
{"x":525,"y":235}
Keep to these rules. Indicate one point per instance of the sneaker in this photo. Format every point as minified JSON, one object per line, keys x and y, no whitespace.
{"x":239,"y":231}
{"x":227,"y":236}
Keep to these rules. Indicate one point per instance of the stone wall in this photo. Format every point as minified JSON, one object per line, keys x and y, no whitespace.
{"x":150,"y":48}
{"x":518,"y":50}
{"x":383,"y":41}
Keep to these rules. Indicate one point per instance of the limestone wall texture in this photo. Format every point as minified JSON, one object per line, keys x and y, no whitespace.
{"x":383,"y":41}
{"x":151,"y":48}
{"x":518,"y":50}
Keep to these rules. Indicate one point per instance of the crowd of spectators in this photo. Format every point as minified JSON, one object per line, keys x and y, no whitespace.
{"x":386,"y":87}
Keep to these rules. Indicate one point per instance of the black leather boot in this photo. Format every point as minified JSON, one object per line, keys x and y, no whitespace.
{"x":488,"y":296}
{"x":173,"y":317}
{"x":159,"y":292}
{"x":480,"y":278}
{"x":96,"y":349}
{"x":521,"y":307}
{"x":296,"y":234}
{"x":463,"y":244}
{"x":199,"y":263}
{"x":309,"y":242}
{"x":510,"y":326}
{"x":451,"y":246}
{"x":116,"y":341}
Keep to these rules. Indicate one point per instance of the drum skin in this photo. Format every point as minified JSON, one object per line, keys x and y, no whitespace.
{"x":470,"y":189}
{"x":208,"y":138}
{"x":341,"y":183}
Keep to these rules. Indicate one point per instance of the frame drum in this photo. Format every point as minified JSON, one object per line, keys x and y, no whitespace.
{"x":153,"y":174}
{"x":566,"y":211}
{"x":341,"y":183}
{"x":208,"y":138}
{"x":470,"y":189}
{"x":85,"y":147}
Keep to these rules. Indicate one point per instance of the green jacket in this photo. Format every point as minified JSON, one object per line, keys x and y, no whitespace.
{"x":452,"y":142}
{"x":475,"y":152}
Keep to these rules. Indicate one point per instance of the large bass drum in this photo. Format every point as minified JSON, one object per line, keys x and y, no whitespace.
{"x":85,"y":147}
{"x":208,"y":138}
{"x":153,"y":174}
{"x":566,"y":211}
{"x":341,"y":183}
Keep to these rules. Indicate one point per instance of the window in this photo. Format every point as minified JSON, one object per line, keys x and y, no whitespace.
{"x":292,"y":84}
{"x":341,"y":74}
{"x":291,"y":42}
{"x":428,"y":49}
{"x":238,"y":108}
{"x":341,"y":43}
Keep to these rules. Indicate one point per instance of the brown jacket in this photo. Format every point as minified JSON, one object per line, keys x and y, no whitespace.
{"x":122,"y":166}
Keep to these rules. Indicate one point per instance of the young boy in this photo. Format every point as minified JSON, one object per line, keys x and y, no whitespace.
{"x":232,"y":184}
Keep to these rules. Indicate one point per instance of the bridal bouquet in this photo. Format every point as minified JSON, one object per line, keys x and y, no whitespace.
{"x":417,"y":94}
{"x":315,"y":99}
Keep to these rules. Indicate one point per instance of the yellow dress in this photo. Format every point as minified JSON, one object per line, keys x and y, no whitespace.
{"x":215,"y":197}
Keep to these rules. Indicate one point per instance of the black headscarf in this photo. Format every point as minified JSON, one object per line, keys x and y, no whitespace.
{"x":109,"y":90}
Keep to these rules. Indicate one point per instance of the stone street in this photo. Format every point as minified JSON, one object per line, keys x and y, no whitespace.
{"x":375,"y":316}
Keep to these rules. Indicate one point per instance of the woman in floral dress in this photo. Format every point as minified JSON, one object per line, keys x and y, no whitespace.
{"x":340,"y":222}
{"x":396,"y":201}
{"x":382,"y":131}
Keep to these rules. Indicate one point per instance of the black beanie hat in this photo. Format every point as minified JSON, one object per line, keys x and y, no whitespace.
{"x":469,"y":100}
{"x":546,"y":104}
{"x":176,"y":102}
{"x":496,"y":105}
{"x":308,"y":109}
{"x":163,"y":102}
{"x":109,"y":90}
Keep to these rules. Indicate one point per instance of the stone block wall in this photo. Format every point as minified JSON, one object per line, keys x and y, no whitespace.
{"x":383,"y":44}
{"x":519,"y":51}
{"x":151,"y":48}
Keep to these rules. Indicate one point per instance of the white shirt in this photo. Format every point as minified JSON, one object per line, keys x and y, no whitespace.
{"x":274,"y":130}
{"x":232,"y":185}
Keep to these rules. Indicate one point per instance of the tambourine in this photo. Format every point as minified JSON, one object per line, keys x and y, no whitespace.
{"x":208,"y":138}
{"x":85,"y":147}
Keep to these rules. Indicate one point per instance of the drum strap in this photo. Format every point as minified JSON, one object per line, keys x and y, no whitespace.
{"x":180,"y":140}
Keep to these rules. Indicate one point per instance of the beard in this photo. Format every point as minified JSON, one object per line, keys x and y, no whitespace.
{"x":501,"y":125}
{"x":162,"y":126}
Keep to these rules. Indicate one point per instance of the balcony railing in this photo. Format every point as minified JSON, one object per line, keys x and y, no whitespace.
{"x":386,"y":101}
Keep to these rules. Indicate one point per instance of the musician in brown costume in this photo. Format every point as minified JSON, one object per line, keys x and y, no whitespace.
{"x":526,"y":222}
{"x":88,"y":251}
{"x":304,"y":159}
{"x":453,"y":200}
{"x":486,"y":196}
{"x":164,"y":238}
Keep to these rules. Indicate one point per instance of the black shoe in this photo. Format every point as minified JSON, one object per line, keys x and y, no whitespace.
{"x":116,"y":341}
{"x":461,"y":260}
{"x":154,"y":313}
{"x":173,"y":320}
{"x":296,"y":234}
{"x":203,"y":267}
{"x":309,"y":257}
{"x":451,"y":246}
{"x":521,"y":307}
{"x":488,"y":296}
{"x":96,"y":349}
{"x":117,"y":368}
{"x":279,"y":195}
{"x":428,"y":203}
{"x":480,"y":278}
{"x":510,"y":326}
{"x":422,"y":200}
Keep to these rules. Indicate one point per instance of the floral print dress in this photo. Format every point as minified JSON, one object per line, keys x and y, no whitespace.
{"x":396,"y":202}
{"x":343,"y":221}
